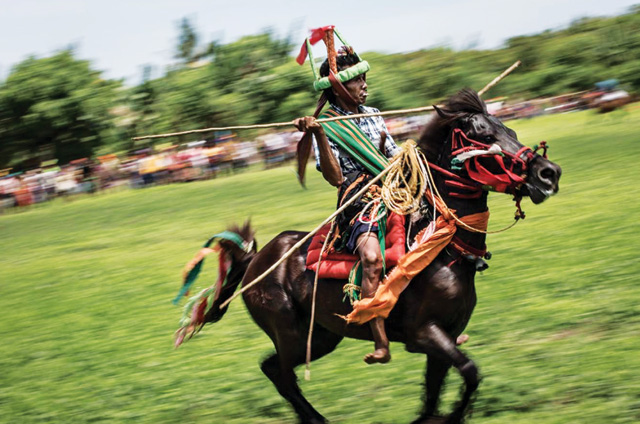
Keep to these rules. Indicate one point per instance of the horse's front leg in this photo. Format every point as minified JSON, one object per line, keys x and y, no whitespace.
{"x":443,"y":353}
{"x":434,"y":380}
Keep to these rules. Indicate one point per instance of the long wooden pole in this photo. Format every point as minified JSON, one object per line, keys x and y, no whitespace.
{"x":499,"y":78}
{"x":396,"y":112}
{"x":289,"y":123}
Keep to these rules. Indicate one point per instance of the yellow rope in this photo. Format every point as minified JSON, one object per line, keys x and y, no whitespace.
{"x":406,"y":182}
{"x":404,"y":185}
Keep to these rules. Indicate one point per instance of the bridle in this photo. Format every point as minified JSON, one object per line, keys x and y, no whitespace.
{"x":511,"y":175}
{"x":467,"y":152}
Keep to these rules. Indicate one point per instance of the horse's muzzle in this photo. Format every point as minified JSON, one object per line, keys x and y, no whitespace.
{"x":542,"y":180}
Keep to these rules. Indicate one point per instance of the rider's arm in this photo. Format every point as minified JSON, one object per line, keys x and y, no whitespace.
{"x":328,"y":163}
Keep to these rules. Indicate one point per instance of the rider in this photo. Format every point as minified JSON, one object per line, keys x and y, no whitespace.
{"x":342,"y":170}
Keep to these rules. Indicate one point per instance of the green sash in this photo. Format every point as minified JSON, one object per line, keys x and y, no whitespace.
{"x":350,"y":137}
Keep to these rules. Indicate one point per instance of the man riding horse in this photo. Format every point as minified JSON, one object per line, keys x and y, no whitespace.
{"x":469,"y":153}
{"x":347,"y":93}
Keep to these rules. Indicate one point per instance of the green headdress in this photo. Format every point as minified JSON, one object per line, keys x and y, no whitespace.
{"x":327,"y":35}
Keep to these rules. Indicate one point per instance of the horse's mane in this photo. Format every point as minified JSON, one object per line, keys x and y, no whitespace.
{"x":466,"y":102}
{"x":245,"y":231}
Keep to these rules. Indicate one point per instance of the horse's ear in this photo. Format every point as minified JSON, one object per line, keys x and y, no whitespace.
{"x":443,"y":114}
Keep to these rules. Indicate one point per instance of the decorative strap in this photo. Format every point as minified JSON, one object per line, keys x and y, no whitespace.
{"x":465,"y":248}
{"x":351,"y":138}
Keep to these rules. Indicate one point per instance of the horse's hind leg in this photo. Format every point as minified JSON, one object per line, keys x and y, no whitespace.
{"x":443,"y":353}
{"x":285,"y":381}
{"x":290,"y":352}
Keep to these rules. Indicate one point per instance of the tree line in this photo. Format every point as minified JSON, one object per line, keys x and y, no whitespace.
{"x":61,"y":107}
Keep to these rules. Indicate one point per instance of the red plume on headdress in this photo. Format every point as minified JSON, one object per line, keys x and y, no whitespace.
{"x":316,"y":35}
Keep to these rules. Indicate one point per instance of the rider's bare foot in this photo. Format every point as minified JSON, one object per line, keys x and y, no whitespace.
{"x":379,"y":356}
{"x":462,"y":338}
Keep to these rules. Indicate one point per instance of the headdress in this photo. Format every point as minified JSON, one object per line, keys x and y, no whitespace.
{"x":326,"y":34}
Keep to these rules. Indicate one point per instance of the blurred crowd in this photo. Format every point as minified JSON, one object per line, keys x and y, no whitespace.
{"x":165,"y":164}
{"x":605,"y":97}
{"x":161,"y":164}
{"x":144,"y":168}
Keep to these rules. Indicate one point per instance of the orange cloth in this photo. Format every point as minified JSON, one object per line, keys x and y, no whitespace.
{"x":411,"y":264}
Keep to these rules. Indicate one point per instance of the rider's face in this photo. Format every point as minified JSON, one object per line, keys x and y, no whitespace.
{"x":357,"y":87}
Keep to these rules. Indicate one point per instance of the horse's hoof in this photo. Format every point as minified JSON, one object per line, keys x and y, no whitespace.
{"x":433,"y":419}
{"x":314,"y":421}
{"x":454,"y":419}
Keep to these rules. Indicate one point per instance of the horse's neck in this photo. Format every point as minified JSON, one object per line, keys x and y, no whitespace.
{"x":465,"y":207}
{"x":437,"y":152}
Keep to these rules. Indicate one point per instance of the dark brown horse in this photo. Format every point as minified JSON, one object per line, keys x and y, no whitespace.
{"x":436,"y":306}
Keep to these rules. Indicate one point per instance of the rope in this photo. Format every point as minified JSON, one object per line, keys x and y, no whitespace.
{"x":402,"y":195}
{"x":397,"y":112}
{"x":460,"y":222}
{"x":307,"y":371}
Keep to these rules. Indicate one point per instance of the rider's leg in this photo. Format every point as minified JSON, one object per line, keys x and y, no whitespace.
{"x":371,"y":259}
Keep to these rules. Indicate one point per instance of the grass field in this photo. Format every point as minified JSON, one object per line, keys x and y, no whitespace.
{"x":86,"y":319}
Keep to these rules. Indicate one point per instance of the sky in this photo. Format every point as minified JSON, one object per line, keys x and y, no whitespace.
{"x":121,"y":37}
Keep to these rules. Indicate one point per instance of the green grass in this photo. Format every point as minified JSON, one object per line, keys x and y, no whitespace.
{"x":86,"y":320}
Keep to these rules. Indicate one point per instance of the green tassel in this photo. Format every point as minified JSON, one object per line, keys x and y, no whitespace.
{"x":353,"y":288}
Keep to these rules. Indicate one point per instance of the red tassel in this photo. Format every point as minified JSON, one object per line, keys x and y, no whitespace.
{"x":198,"y":317}
{"x":316,"y":35}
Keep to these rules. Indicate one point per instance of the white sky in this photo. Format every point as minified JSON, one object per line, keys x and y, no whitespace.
{"x":120,"y":37}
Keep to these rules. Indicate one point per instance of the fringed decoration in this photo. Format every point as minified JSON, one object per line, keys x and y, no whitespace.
{"x":193,"y":316}
{"x":197,"y":307}
{"x":193,"y":267}
{"x":192,"y":270}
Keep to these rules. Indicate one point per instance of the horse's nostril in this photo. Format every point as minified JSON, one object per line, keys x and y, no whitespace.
{"x":548,"y":174}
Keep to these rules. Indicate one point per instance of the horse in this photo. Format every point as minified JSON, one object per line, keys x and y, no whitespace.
{"x":436,"y":306}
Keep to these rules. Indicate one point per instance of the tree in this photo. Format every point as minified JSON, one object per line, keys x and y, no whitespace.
{"x":187,"y":41}
{"x":55,"y":107}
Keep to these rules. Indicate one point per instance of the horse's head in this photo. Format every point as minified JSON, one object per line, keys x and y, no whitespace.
{"x":481,"y":149}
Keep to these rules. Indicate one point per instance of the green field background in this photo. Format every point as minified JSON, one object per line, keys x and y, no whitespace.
{"x":87,"y":321}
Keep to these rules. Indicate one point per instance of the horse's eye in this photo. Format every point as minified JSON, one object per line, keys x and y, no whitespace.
{"x":488,"y":138}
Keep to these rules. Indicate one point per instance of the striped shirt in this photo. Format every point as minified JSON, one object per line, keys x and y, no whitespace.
{"x":371,"y":126}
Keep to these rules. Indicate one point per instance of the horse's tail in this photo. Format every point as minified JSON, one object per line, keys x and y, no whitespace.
{"x":236,"y":247}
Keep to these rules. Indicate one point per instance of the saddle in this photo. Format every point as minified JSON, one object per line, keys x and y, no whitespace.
{"x":337,"y":265}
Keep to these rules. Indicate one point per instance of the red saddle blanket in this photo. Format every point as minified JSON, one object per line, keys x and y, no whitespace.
{"x":338,"y":264}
